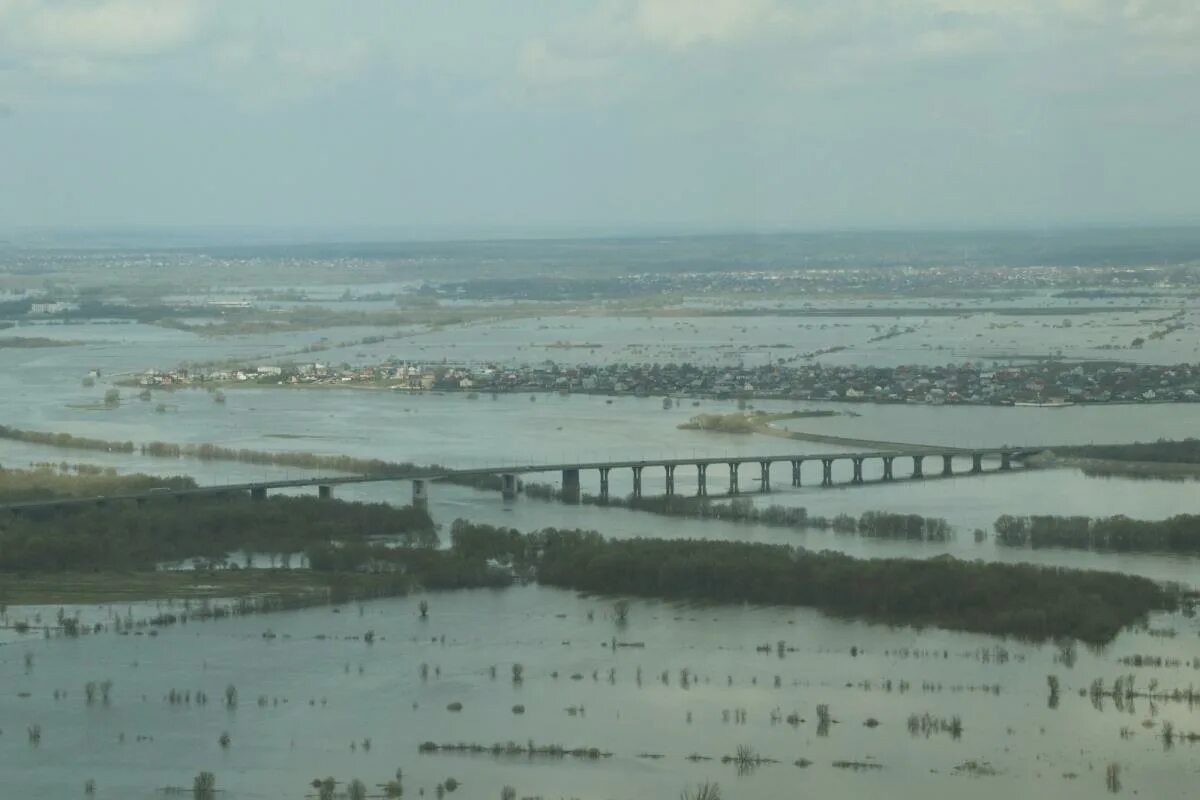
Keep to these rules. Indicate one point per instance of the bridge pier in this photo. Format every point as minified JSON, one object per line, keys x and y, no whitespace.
{"x":258,"y":493}
{"x":702,"y":480}
{"x":637,"y":481}
{"x":887,"y":467}
{"x":947,"y":465}
{"x":918,"y":466}
{"x":1006,"y":461}
{"x":733,"y":477}
{"x":420,"y":493}
{"x":976,"y":463}
{"x":570,"y":485}
{"x":764,"y":485}
{"x":604,"y":484}
{"x":858,"y":462}
{"x":796,"y":462}
{"x":827,"y":472}
{"x":670,"y":469}
{"x":325,"y":491}
{"x":508,"y":486}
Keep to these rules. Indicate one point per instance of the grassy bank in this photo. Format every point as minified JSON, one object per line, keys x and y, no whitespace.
{"x":211,"y":452}
{"x":119,"y":586}
{"x":1169,"y":459}
{"x":747,"y":422}
{"x":50,"y":482}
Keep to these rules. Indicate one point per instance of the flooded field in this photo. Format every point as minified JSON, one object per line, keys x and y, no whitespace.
{"x":909,"y":713}
{"x":686,"y":684}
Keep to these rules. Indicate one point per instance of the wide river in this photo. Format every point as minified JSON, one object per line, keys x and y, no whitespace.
{"x":326,"y":689}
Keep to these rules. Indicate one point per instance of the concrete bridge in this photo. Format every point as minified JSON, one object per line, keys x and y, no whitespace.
{"x":943,"y":464}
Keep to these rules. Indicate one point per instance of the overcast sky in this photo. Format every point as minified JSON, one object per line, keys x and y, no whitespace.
{"x":474,"y":115}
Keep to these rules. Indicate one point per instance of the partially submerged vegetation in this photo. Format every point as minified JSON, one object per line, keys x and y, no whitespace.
{"x":1177,"y":459}
{"x":49,"y":482}
{"x":1023,"y":600}
{"x":1182,"y":451}
{"x":872,"y":524}
{"x":211,"y":452}
{"x":741,"y":422}
{"x":36,"y":341}
{"x":1036,"y":603}
{"x":1178,"y":534}
{"x":123,"y":536}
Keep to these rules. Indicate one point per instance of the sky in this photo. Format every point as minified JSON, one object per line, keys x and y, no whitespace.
{"x":479,"y":116}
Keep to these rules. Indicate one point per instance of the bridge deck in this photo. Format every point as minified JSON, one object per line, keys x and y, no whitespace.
{"x":433,"y":475}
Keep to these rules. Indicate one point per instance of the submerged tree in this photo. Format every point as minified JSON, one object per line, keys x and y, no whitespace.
{"x":1112,"y":777}
{"x":705,"y":791}
{"x":204,"y":786}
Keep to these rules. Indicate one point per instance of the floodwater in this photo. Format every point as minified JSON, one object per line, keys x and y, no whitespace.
{"x":276,"y":750}
{"x":326,"y":690}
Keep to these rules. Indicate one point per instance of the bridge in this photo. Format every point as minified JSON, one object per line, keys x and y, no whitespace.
{"x":1003,"y":457}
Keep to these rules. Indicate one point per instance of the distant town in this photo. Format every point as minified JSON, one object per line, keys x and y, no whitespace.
{"x":1044,"y":383}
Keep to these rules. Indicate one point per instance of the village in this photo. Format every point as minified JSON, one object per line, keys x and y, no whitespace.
{"x":1047,"y":383}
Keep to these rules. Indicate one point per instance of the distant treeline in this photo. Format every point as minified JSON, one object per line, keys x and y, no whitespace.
{"x":212,"y":452}
{"x":125,"y":536}
{"x":36,"y":341}
{"x":64,"y":440}
{"x":1179,"y":534}
{"x":1184,"y":451}
{"x":873,"y":524}
{"x":98,"y":309}
{"x":46,"y":483}
{"x":1007,"y":599}
{"x":340,"y":539}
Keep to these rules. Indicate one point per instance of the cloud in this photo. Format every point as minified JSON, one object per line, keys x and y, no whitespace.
{"x":56,"y":45}
{"x":827,"y":44}
{"x":1164,"y":31}
{"x":680,"y":24}
{"x":110,"y":28}
{"x":267,"y":74}
{"x":246,"y":53}
{"x":956,"y":42}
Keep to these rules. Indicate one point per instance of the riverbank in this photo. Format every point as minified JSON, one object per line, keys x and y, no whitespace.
{"x":1101,"y":467}
{"x":110,"y":586}
{"x":764,"y":423}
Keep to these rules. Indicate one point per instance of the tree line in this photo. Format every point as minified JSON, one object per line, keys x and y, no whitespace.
{"x":125,"y":536}
{"x":1182,"y":451}
{"x":873,"y":524}
{"x":1023,"y":600}
{"x":64,"y":440}
{"x":213,"y":452}
{"x":79,"y":480}
{"x":1178,"y":534}
{"x":343,"y":539}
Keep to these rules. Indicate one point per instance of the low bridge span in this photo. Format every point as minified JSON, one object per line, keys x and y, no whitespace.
{"x":942,"y":463}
